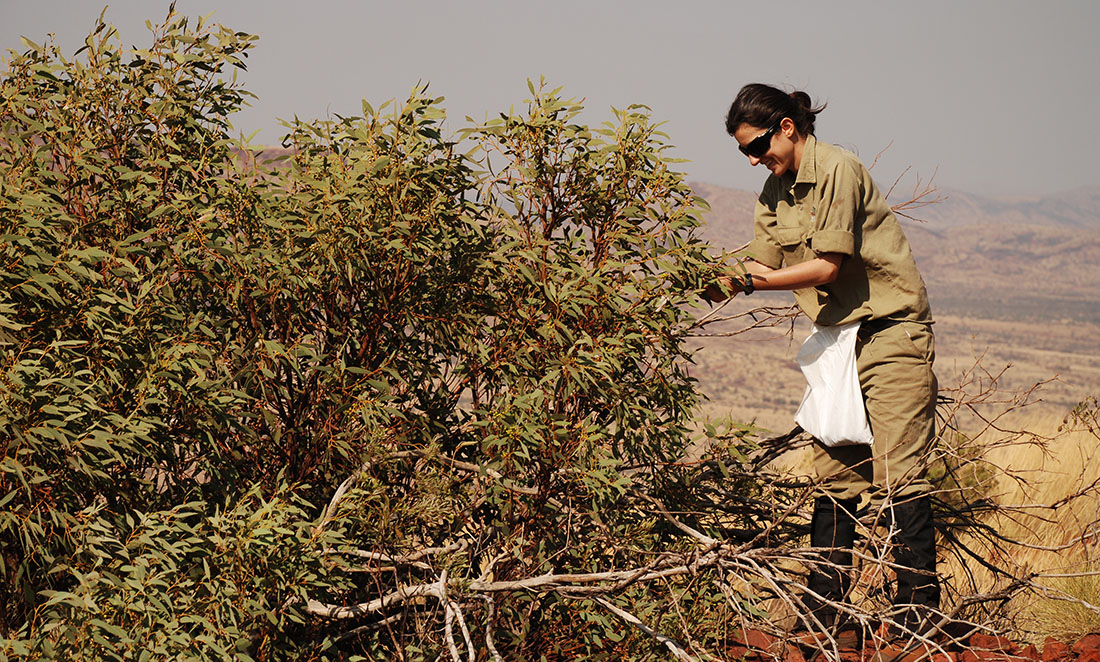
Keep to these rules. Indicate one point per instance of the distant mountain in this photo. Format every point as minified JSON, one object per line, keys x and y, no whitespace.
{"x":1023,"y":259}
{"x":1077,"y":208}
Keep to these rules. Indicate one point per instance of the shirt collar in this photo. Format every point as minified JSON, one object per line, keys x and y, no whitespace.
{"x":807,"y":172}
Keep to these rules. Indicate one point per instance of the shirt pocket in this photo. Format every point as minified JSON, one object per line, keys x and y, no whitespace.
{"x":793,"y":228}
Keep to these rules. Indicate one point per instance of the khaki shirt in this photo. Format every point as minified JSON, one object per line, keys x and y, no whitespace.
{"x":833,"y":206}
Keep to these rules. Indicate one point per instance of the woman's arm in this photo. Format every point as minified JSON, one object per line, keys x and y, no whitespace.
{"x":821,"y":270}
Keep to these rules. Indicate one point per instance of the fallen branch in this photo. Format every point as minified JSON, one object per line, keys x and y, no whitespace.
{"x":671,"y":645}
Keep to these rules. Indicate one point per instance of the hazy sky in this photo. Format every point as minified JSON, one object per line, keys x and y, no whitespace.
{"x":1001,"y":96}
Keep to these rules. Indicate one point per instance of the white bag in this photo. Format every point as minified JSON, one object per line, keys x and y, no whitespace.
{"x":832,"y":409}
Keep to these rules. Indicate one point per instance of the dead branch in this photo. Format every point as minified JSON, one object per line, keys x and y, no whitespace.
{"x":633,"y":620}
{"x":763,"y":317}
{"x":490,"y":645}
{"x":747,"y":545}
{"x":412,"y":559}
{"x":400,"y":596}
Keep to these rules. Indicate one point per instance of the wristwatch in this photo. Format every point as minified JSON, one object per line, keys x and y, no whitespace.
{"x":746,"y":284}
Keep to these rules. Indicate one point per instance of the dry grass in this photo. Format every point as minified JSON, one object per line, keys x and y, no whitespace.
{"x":1046,"y":481}
{"x":1047,"y":489}
{"x":752,"y":377}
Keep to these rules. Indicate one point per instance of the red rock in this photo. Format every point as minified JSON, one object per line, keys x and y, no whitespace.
{"x":916,"y":654}
{"x":1030,"y":653}
{"x":759,"y":640}
{"x":1054,"y":650}
{"x":793,"y":654}
{"x":1089,"y":656}
{"x":992,"y":643}
{"x":853,"y":656}
{"x":755,"y":645}
{"x":1089,"y":642}
{"x":982,"y":655}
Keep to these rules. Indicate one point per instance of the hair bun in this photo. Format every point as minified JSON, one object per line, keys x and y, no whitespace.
{"x":802,"y":99}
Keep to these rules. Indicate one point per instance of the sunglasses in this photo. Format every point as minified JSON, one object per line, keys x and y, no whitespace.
{"x":760,"y":145}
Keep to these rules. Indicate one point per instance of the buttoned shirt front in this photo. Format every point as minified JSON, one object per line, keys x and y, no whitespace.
{"x":833,"y":206}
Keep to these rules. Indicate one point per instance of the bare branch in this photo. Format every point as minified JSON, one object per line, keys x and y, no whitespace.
{"x":448,"y":631}
{"x":489,"y":643}
{"x":412,"y":559}
{"x":398,"y":597}
{"x":671,"y":645}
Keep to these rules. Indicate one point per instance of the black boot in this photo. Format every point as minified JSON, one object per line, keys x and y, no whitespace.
{"x":833,"y":525}
{"x":918,"y":589}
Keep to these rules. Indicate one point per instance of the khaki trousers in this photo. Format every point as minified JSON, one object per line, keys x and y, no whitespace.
{"x":899,"y":390}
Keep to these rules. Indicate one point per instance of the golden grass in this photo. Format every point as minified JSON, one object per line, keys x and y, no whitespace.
{"x":753,"y":377}
{"x":1056,"y":534}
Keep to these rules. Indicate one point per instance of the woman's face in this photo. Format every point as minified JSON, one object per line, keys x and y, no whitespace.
{"x":781,"y":155}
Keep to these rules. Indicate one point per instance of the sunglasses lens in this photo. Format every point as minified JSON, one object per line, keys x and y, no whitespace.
{"x":759,"y":145}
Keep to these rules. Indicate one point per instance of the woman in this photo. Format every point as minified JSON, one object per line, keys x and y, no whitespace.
{"x":823,"y":230}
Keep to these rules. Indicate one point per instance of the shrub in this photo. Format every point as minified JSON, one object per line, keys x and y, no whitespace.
{"x":479,"y":340}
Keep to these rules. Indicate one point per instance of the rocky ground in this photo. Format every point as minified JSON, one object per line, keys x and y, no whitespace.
{"x":763,"y":647}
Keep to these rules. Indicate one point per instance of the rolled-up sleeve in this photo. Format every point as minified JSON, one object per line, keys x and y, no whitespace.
{"x":834,"y":241}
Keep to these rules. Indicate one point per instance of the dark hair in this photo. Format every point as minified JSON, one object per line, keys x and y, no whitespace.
{"x":763,"y":106}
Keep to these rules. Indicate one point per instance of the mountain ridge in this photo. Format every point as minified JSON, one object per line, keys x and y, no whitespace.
{"x":986,"y":257}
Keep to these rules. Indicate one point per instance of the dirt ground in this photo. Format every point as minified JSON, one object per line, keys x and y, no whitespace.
{"x":753,"y":377}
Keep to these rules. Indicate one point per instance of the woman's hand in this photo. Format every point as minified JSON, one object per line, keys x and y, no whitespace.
{"x":724,"y":288}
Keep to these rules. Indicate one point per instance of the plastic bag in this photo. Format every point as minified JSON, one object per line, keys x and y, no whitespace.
{"x":832,"y":409}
